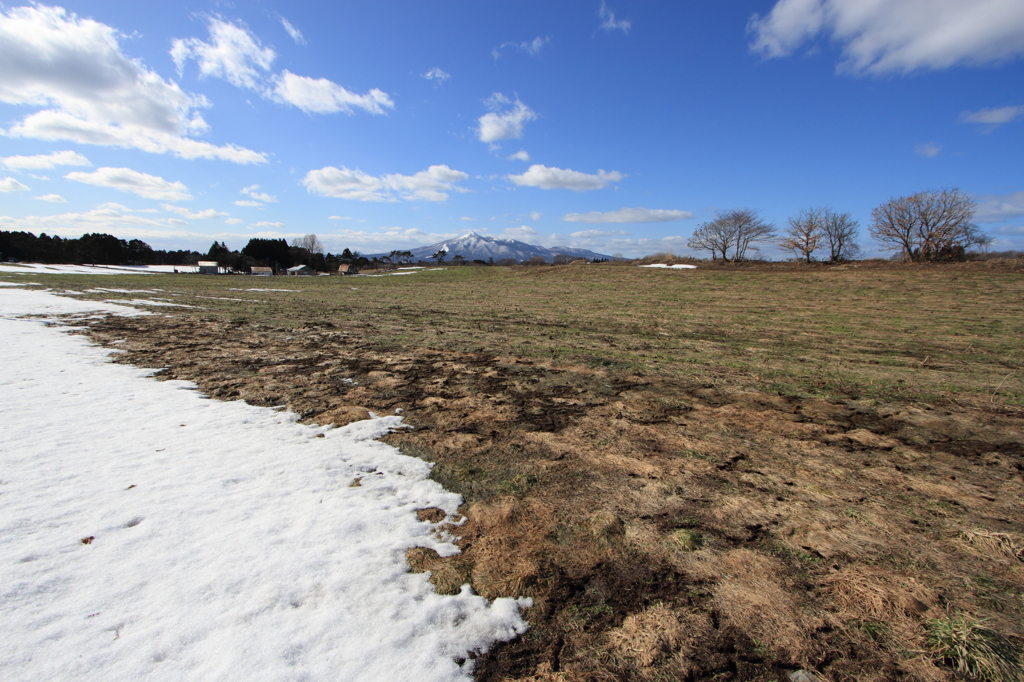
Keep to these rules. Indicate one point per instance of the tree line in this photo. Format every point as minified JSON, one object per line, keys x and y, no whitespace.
{"x":105,"y":249}
{"x":926,"y":226}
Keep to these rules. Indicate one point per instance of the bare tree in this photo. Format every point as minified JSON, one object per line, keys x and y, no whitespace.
{"x":715,"y":236}
{"x":750,"y":228}
{"x":928,"y":226}
{"x":562,"y":259}
{"x":805,"y":233}
{"x":840,"y":231}
{"x":439,"y":255}
{"x":736,"y":230}
{"x":310,"y":243}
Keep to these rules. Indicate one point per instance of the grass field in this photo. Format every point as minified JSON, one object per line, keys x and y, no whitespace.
{"x":723,"y":473}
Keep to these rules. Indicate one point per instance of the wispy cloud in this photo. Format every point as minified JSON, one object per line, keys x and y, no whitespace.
{"x":610,"y":23}
{"x":995,"y":208}
{"x":521,"y":155}
{"x":432,"y":184}
{"x":532,"y":47}
{"x":564,"y":178}
{"x":128,"y":180}
{"x":207,"y":214}
{"x":629,"y":215}
{"x":41,"y":161}
{"x":895,"y":37}
{"x":295,"y":33}
{"x":436,"y":74}
{"x":250,"y":191}
{"x":321,"y":96}
{"x":52,"y":198}
{"x":928,"y":150}
{"x":993,"y":118}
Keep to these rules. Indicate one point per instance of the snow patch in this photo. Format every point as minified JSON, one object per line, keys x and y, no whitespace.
{"x":677,"y":266}
{"x":147,"y":533}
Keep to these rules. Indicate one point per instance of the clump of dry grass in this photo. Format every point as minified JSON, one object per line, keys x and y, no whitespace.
{"x":871,"y":593}
{"x":750,"y":594}
{"x":995,"y":545}
{"x":648,"y":637}
{"x":974,"y":650}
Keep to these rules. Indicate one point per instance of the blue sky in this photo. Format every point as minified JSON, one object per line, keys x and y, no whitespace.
{"x":616,"y":126}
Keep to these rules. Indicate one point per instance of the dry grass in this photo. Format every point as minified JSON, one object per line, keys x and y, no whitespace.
{"x":710,"y":474}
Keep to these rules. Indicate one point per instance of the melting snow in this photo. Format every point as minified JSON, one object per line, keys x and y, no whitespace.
{"x":68,"y":269}
{"x":677,"y":266}
{"x":148,"y":533}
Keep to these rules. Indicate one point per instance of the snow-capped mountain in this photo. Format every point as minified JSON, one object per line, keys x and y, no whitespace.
{"x":473,"y":246}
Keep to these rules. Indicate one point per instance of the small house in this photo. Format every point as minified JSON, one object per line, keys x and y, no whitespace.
{"x":346,"y":269}
{"x":262,"y":271}
{"x":209,"y":267}
{"x":302,"y":270}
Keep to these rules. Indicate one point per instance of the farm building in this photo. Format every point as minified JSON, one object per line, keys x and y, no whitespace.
{"x":302,"y":270}
{"x":209,"y":267}
{"x":262,"y":271}
{"x":346,"y":269}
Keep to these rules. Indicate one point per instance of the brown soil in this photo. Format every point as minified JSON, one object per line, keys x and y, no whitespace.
{"x":665,"y":530}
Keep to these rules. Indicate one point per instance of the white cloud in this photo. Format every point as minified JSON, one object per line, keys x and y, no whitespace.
{"x":535,"y":216}
{"x":321,"y":96}
{"x":295,"y":33}
{"x":65,"y":158}
{"x":895,"y":36}
{"x":532,"y":47}
{"x":128,"y":180}
{"x":201,"y":215}
{"x":111,"y":218}
{"x":629,"y":215}
{"x":233,"y":54}
{"x":12,"y":185}
{"x":233,"y":221}
{"x":503,"y":125}
{"x":593,"y":234}
{"x":467,"y":219}
{"x":432,"y":184}
{"x":522,"y":232}
{"x":92,"y":93}
{"x":236,"y":55}
{"x":52,"y":198}
{"x":992,"y":118}
{"x":928,"y":150}
{"x":264,"y":223}
{"x":251,"y":192}
{"x":436,"y":74}
{"x":995,"y":208}
{"x":610,"y":23}
{"x":521,"y":155}
{"x":564,"y":178}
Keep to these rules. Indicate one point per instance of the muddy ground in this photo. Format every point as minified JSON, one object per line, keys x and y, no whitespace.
{"x":666,"y":530}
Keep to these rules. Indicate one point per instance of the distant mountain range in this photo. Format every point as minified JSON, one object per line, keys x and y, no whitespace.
{"x":473,"y":246}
